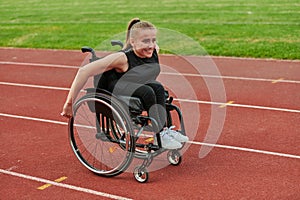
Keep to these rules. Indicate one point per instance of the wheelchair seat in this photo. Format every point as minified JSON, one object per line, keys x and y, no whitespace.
{"x":134,"y":104}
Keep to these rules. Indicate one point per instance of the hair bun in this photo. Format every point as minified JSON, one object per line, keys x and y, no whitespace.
{"x":132,"y":22}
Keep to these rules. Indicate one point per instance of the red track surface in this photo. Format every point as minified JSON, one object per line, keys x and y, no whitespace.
{"x":34,"y":152}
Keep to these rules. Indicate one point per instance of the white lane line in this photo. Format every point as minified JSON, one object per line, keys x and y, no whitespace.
{"x":192,"y":142}
{"x":63,"y":185}
{"x":164,"y":73}
{"x":239,"y":105}
{"x":181,"y":100}
{"x":34,"y":86}
{"x":33,"y":119}
{"x":38,"y":65}
{"x":234,"y":78}
{"x":246,"y":149}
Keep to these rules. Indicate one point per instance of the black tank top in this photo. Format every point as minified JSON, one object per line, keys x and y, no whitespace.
{"x":140,"y":70}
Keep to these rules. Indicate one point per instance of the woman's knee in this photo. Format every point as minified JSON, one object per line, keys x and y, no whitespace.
{"x":157,"y":87}
{"x":146,"y":93}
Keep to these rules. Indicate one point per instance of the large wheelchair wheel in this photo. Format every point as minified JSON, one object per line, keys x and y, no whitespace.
{"x":101,"y":134}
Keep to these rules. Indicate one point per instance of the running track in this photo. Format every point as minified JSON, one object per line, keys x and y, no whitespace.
{"x":256,"y":157}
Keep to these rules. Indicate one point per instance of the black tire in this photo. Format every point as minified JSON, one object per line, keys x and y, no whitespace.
{"x":106,"y":147}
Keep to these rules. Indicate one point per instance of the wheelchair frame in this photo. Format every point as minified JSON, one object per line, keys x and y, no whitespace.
{"x":104,"y":135}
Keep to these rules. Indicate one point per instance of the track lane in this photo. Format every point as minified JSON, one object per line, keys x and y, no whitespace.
{"x":247,"y":131}
{"x":37,"y":75}
{"x":42,"y":56}
{"x":281,"y":95}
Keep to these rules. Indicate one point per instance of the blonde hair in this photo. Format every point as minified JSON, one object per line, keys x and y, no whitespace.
{"x":133,"y":25}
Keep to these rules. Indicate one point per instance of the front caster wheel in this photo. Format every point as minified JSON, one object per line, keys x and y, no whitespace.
{"x":174,"y":157}
{"x":141,"y":174}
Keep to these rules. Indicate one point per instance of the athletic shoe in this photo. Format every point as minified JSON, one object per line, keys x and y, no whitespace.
{"x":177,"y":135}
{"x":168,"y":142}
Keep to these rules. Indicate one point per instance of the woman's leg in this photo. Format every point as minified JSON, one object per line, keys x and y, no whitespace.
{"x":159,"y":91}
{"x":160,"y":108}
{"x":151,"y":94}
{"x":153,"y":99}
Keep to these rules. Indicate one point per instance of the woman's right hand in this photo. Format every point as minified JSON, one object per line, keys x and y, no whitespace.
{"x":67,"y":110}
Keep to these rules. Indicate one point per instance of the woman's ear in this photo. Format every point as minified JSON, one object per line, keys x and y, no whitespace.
{"x":131,"y":42}
{"x":157,"y":48}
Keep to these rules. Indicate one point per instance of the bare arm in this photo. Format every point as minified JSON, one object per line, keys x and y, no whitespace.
{"x":116,"y":61}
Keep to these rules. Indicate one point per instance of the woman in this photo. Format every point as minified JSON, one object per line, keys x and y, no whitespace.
{"x":136,"y":68}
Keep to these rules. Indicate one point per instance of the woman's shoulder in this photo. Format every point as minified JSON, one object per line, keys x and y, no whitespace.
{"x":116,"y":60}
{"x":118,"y":56}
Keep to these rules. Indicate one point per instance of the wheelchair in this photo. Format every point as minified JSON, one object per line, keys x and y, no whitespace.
{"x":108,"y":131}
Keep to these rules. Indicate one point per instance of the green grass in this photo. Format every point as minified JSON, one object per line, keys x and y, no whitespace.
{"x":252,"y":28}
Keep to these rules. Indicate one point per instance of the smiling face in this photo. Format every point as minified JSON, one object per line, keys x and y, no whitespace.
{"x":143,"y":42}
